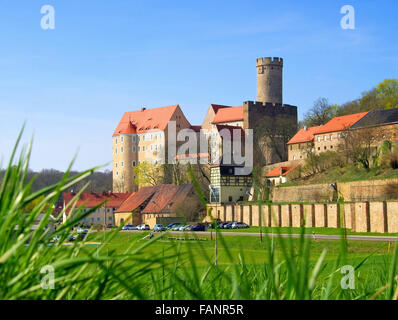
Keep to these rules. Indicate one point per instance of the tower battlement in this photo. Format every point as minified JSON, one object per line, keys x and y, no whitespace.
{"x":269,"y":61}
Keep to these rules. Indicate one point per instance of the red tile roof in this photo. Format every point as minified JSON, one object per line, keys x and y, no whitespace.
{"x":91,"y":199}
{"x":341,"y":123}
{"x":304,"y":135}
{"x":216,"y":107}
{"x":137,"y":199}
{"x":156,"y":198}
{"x":167,"y":196}
{"x":145,"y":120}
{"x":228,"y":114}
{"x":280,"y":171}
{"x":335,"y":124}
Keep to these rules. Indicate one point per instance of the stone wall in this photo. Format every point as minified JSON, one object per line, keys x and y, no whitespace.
{"x":314,"y":192}
{"x":375,"y":216}
{"x":368,"y":190}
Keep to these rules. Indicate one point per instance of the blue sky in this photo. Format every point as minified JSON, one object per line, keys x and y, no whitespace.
{"x":72,"y":84}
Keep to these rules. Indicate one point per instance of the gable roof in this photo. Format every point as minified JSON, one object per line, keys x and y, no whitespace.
{"x":341,"y":123}
{"x":336,"y":124}
{"x":228,"y":114}
{"x":304,"y":135}
{"x":156,"y":198}
{"x":92,"y":199}
{"x":377,"y":118}
{"x":145,"y":120}
{"x":167,"y":196}
{"x":137,"y":199}
{"x":280,"y":171}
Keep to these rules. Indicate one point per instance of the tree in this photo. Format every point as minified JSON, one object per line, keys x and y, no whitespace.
{"x":147,"y":174}
{"x":358,"y":146}
{"x":387,"y":93}
{"x":321,"y":112}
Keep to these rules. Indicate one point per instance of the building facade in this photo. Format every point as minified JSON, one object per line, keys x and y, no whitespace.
{"x":142,"y":136}
{"x":104,"y":205}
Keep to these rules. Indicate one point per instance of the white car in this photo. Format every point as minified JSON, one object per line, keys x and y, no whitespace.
{"x":81,"y":230}
{"x":143,"y":227}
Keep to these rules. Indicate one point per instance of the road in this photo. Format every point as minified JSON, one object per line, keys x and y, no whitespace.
{"x":315,"y":237}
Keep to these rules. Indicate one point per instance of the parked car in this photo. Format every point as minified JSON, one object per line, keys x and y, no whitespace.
{"x":81,"y":230}
{"x":172,"y":225}
{"x":228,"y":225}
{"x":209,"y":225}
{"x":143,"y":227}
{"x":222,"y":224}
{"x":159,"y":228}
{"x":177,"y":227}
{"x":72,"y":238}
{"x":188,"y":227}
{"x":129,"y":227}
{"x":199,"y":227}
{"x":182,"y":228}
{"x":239,"y":225}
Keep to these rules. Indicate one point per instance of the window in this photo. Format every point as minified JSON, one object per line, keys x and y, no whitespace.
{"x":325,"y":138}
{"x":116,"y":150}
{"x":92,"y":219}
{"x":138,"y":148}
{"x":133,"y":148}
{"x":143,"y":148}
{"x":133,"y":138}
{"x":236,"y":180}
{"x":319,"y":139}
{"x":324,"y":147}
{"x":116,"y":165}
{"x":121,"y":139}
{"x":319,"y":148}
{"x":331,"y":137}
{"x":121,"y":149}
{"x":98,"y":219}
{"x":116,"y":141}
{"x":133,"y":163}
{"x":215,"y":195}
{"x":294,"y":157}
{"x":230,"y":198}
{"x":122,"y":164}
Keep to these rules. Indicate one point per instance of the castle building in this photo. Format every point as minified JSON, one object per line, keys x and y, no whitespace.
{"x":321,"y":138}
{"x":142,"y":136}
{"x":381,"y":124}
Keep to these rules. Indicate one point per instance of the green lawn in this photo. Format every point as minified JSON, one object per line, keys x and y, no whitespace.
{"x":251,"y":249}
{"x":326,"y":231}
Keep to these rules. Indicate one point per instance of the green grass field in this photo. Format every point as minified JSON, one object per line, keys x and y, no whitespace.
{"x":126,"y":266}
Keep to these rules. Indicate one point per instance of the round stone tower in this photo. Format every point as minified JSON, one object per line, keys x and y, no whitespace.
{"x":269,"y":80}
